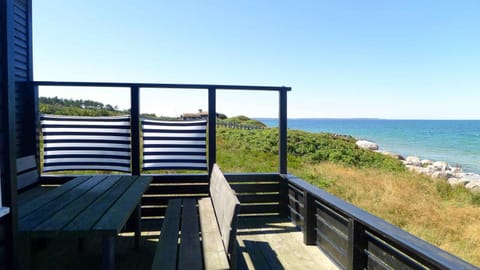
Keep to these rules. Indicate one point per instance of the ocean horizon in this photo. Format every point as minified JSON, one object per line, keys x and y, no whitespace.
{"x":454,"y":141}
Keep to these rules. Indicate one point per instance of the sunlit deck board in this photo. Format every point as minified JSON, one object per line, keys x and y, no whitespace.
{"x":278,"y":243}
{"x":274,"y":241}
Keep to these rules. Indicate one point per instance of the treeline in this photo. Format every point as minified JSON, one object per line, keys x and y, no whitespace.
{"x":84,"y":104}
{"x":61,"y":106}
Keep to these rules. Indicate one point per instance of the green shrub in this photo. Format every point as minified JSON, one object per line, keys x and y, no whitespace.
{"x":310,"y":147}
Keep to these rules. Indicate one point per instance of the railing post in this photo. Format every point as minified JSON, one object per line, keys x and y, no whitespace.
{"x":135,"y":128}
{"x":212,"y":128}
{"x":357,"y":242}
{"x":283,"y":131}
{"x":36,"y":110}
{"x":309,"y":219}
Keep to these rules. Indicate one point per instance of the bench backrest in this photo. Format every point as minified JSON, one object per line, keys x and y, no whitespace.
{"x":174,"y":145}
{"x":27,"y":171}
{"x":86,"y":143}
{"x":226,"y":206}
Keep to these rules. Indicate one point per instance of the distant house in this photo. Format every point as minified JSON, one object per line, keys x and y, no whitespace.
{"x":200,"y":115}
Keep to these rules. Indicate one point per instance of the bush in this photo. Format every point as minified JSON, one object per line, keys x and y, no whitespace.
{"x":311,"y":147}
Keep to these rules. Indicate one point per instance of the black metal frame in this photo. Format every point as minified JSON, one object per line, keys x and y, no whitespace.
{"x":135,"y":89}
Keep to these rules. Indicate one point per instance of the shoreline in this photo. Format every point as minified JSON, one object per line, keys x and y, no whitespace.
{"x":453,"y":175}
{"x":454,"y":141}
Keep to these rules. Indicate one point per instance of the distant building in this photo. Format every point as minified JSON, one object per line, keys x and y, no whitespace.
{"x":200,"y":115}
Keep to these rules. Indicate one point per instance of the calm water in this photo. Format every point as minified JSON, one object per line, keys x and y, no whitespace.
{"x":454,"y":141}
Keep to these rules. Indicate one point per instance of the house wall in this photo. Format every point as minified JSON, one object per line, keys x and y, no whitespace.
{"x":4,"y":221}
{"x":3,"y":245}
{"x":23,"y":72}
{"x":16,"y":113}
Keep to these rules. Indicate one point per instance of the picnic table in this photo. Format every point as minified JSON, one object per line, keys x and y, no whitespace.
{"x":94,"y":205}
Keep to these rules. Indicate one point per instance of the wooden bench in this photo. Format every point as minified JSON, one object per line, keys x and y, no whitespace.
{"x":202,"y":238}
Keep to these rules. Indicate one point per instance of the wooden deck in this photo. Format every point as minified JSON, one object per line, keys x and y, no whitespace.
{"x":265,"y":243}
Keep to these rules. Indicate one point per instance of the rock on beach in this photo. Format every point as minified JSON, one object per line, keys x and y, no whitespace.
{"x":367,"y":145}
{"x":434,"y":169}
{"x":413,"y":161}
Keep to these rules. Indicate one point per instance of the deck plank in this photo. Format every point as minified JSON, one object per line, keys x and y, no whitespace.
{"x":213,"y":249}
{"x":279,"y":243}
{"x":190,"y":255}
{"x":165,"y":253}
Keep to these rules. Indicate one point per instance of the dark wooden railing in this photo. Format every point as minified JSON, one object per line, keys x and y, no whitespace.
{"x":135,"y":89}
{"x":355,"y":239}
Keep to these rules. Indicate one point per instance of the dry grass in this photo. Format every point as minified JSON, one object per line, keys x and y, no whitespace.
{"x":412,"y":202}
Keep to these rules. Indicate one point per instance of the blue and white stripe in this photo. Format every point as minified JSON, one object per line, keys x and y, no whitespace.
{"x":86,"y":143}
{"x":174,"y":145}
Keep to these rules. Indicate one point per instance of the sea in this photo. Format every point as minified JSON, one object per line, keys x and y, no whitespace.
{"x":454,"y":141}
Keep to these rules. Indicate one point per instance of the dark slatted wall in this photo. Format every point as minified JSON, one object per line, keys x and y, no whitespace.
{"x":3,"y":247}
{"x":165,"y":187}
{"x":3,"y":95}
{"x":26,"y":135}
{"x":15,"y":71}
{"x":259,"y":194}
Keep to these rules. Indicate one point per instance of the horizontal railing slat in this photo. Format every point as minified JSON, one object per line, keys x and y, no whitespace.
{"x":163,"y":85}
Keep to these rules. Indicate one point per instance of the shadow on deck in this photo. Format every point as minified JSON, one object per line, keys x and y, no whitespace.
{"x":264,"y":243}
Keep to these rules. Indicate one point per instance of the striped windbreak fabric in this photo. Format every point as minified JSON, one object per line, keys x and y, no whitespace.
{"x":86,"y":143}
{"x":174,"y":145}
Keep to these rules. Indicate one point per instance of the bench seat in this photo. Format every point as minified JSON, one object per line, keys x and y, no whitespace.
{"x":203,"y":237}
{"x":213,"y":250}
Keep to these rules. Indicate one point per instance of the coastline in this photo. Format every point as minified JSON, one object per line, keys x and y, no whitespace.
{"x":454,"y":141}
{"x":441,"y":170}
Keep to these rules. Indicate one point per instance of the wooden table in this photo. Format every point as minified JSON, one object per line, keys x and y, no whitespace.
{"x":98,"y":205}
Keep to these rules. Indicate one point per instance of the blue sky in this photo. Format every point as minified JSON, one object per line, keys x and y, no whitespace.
{"x":410,"y":59}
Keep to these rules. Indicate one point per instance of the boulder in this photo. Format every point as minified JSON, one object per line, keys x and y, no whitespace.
{"x":474,"y":185}
{"x":426,"y":162}
{"x":367,"y":145}
{"x":431,"y":169}
{"x":469,"y":177}
{"x":464,"y":181}
{"x":414,"y":161}
{"x":460,"y":175}
{"x":439,"y":174}
{"x":455,"y":181}
{"x":441,"y":165}
{"x":393,"y":155}
{"x":416,"y":169}
{"x":455,"y":170}
{"x":475,"y":189}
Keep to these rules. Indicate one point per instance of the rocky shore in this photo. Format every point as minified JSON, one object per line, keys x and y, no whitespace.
{"x":435,"y":169}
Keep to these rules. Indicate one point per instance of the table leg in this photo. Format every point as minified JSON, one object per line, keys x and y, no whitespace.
{"x":138,"y":225}
{"x":25,"y":259}
{"x":108,"y":249}
{"x":81,"y":245}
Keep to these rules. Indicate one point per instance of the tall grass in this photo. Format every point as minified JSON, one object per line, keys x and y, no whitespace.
{"x":432,"y":210}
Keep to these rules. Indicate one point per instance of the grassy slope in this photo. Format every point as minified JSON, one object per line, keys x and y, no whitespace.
{"x":447,"y":217}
